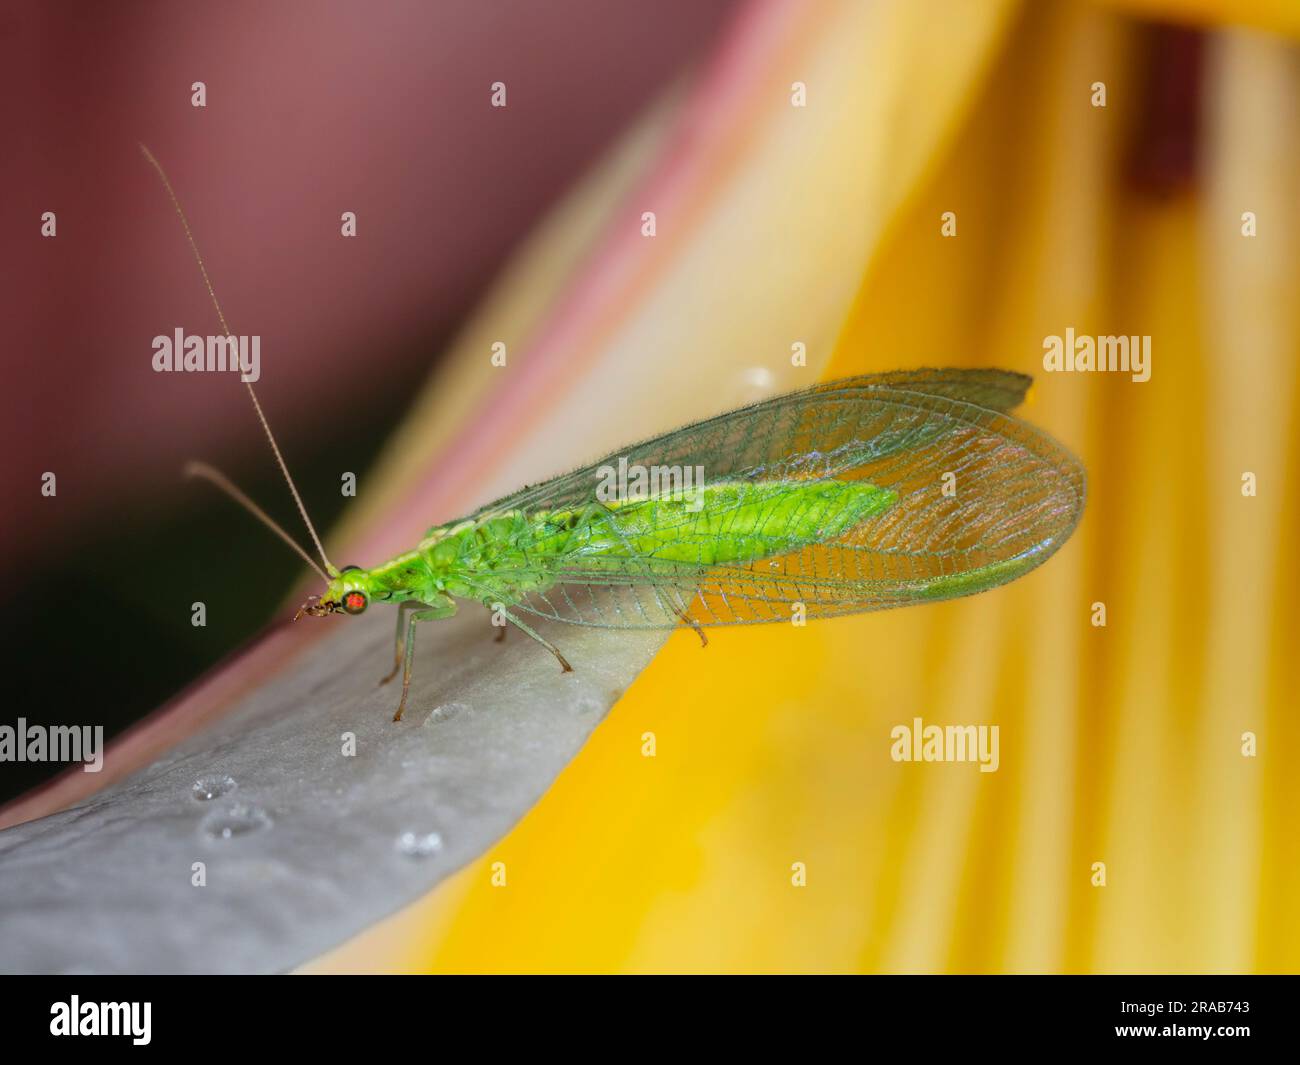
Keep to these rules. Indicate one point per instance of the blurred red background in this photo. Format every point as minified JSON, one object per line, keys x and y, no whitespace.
{"x":312,"y":109}
{"x":378,"y":109}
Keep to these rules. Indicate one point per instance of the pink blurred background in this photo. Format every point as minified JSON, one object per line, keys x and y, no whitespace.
{"x":312,"y":109}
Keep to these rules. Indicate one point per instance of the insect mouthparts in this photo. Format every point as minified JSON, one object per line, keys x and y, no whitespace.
{"x":313,"y":607}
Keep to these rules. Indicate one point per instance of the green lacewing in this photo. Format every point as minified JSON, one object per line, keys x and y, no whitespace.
{"x":852,"y":495}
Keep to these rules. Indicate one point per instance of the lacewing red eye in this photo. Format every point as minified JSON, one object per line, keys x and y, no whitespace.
{"x":354,"y":602}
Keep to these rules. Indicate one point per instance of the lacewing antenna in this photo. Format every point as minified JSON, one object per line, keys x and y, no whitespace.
{"x":207,"y":472}
{"x":214,"y":476}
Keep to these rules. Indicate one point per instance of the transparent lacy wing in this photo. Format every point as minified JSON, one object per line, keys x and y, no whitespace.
{"x":980,"y":498}
{"x":1001,"y":390}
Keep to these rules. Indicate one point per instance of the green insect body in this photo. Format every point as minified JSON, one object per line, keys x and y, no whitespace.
{"x":507,"y":555}
{"x":852,"y":495}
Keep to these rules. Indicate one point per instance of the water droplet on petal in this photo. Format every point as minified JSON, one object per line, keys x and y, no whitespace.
{"x":240,"y":819}
{"x":419,"y":844}
{"x":751,"y":384}
{"x":213,"y":787}
{"x":445,"y":712}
